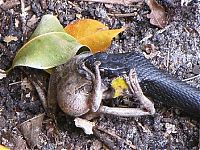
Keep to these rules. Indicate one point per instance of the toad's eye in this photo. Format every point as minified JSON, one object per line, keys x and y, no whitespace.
{"x":85,"y":89}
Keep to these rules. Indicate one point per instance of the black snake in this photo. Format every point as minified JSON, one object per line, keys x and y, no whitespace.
{"x":154,"y":82}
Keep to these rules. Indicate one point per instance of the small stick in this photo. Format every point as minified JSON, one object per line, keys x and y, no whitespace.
{"x":199,"y":136}
{"x":18,"y":82}
{"x":121,"y":15}
{"x":168,"y":55}
{"x":23,"y":18}
{"x":41,"y":94}
{"x":105,"y":140}
{"x":23,"y":8}
{"x":191,"y":78}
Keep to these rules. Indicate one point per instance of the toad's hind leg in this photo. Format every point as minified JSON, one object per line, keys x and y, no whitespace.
{"x":124,"y":112}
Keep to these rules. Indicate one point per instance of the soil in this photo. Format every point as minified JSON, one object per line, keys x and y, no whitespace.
{"x":175,"y":48}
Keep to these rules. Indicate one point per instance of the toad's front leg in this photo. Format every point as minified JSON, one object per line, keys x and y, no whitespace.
{"x":135,"y":89}
{"x":97,"y":92}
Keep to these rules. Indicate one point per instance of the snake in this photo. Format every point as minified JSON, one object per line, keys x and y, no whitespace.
{"x":155,"y":83}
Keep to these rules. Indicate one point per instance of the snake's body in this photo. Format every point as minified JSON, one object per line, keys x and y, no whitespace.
{"x":153,"y":81}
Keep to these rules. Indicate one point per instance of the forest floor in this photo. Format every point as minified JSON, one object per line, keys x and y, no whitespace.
{"x":175,"y":48}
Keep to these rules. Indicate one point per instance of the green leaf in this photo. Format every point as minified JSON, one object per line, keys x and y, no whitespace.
{"x":47,"y":51}
{"x":48,"y":23}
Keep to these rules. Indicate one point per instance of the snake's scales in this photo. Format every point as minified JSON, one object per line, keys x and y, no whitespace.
{"x":154,"y":82}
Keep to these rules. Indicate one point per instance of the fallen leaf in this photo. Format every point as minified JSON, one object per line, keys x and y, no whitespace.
{"x":10,"y":38}
{"x":158,"y":16}
{"x":92,"y":33}
{"x":47,"y":51}
{"x":2,"y":74}
{"x":119,"y":85}
{"x":86,"y":125}
{"x":48,"y":23}
{"x":31,"y":129}
{"x":19,"y":142}
{"x":49,"y":46}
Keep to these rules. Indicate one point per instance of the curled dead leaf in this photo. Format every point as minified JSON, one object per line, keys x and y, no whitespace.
{"x":158,"y":16}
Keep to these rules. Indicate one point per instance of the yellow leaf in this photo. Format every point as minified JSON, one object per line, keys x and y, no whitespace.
{"x":3,"y":147}
{"x":119,"y":85}
{"x":92,"y":33}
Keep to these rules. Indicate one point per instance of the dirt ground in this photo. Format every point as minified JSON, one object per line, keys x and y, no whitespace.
{"x":176,"y":49}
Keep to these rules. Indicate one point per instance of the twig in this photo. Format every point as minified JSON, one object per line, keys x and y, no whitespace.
{"x":123,"y":2}
{"x":18,"y":82}
{"x":127,"y":142}
{"x":199,"y":136}
{"x":167,"y":65}
{"x":41,"y":94}
{"x":163,"y":29}
{"x":105,"y":140}
{"x":22,"y":7}
{"x":146,"y":38}
{"x":121,"y":15}
{"x":74,"y":5}
{"x":23,"y":18}
{"x":191,"y":78}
